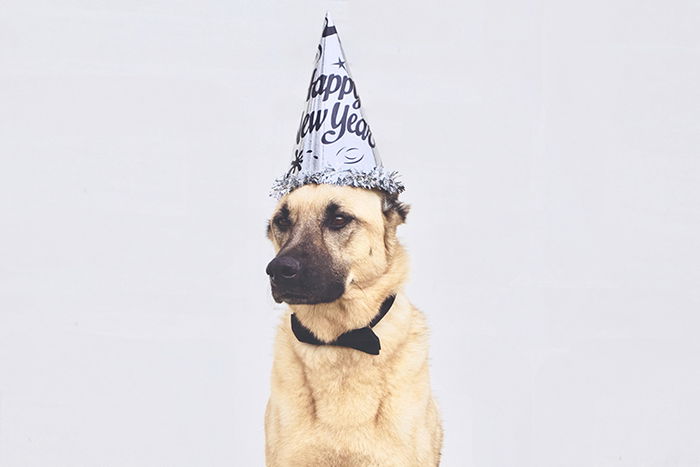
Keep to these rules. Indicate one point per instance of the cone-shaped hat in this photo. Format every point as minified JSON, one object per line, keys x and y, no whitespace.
{"x":334,"y":142}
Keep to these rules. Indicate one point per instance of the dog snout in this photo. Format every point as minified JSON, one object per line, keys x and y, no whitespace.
{"x":283,"y":267}
{"x":304,"y":277}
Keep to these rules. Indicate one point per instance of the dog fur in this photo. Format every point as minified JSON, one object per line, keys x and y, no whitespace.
{"x":335,"y":406}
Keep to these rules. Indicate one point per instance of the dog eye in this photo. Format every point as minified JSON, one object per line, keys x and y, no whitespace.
{"x":282,"y":223}
{"x":338,"y":222}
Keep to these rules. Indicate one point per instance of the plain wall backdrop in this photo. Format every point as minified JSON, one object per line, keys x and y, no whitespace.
{"x":551,"y":155}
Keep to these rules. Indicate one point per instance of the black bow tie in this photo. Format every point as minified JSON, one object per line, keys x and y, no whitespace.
{"x":363,"y":339}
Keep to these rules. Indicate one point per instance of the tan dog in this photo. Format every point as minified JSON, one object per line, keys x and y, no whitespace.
{"x":338,"y":259}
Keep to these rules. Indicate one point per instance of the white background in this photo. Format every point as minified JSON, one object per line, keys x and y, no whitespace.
{"x":551,"y":154}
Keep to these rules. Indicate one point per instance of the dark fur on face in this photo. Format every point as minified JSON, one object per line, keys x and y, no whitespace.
{"x":303,"y":272}
{"x":317,"y":244}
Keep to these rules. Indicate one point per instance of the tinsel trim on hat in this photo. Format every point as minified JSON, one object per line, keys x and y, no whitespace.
{"x":377,"y":178}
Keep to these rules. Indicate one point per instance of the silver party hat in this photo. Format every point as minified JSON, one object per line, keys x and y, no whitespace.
{"x":334,"y":143}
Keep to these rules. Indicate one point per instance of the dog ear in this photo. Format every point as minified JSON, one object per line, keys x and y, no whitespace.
{"x":395,"y":213}
{"x":394,"y":210}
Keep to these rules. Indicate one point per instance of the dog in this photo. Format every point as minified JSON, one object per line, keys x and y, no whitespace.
{"x":340,"y":266}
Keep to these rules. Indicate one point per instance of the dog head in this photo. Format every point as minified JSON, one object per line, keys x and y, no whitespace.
{"x":330,"y":239}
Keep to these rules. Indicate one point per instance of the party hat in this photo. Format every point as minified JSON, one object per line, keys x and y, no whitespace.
{"x":334,"y":142}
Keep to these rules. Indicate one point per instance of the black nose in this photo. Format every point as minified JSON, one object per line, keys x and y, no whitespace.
{"x":283,"y":267}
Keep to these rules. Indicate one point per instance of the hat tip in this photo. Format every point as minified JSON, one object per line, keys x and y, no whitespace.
{"x":328,"y":26}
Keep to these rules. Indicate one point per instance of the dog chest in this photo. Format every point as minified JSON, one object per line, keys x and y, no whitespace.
{"x":347,"y":390}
